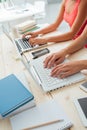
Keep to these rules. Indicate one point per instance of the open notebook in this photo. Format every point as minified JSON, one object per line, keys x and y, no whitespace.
{"x":42,"y":113}
{"x":48,"y":83}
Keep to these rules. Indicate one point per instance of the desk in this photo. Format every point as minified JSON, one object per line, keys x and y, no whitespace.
{"x":11,"y":64}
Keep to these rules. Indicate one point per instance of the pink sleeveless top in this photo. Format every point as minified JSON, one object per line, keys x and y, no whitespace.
{"x":69,"y":18}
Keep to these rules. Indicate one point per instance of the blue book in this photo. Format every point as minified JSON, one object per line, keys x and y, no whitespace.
{"x":13,"y":95}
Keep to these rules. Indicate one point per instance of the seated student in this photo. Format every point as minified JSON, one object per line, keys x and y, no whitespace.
{"x":73,"y":12}
{"x":65,"y":69}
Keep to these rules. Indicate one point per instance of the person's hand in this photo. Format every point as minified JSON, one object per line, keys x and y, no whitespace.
{"x":32,"y":34}
{"x":37,"y":41}
{"x":54,"y":59}
{"x":66,"y":69}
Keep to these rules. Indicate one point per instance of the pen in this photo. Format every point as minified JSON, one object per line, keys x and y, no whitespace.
{"x":43,"y":124}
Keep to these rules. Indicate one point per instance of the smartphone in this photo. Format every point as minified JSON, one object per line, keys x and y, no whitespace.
{"x":39,"y":53}
{"x":84,"y":86}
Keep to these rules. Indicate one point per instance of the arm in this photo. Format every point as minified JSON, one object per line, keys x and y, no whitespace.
{"x":66,"y":69}
{"x":57,"y":22}
{"x":81,"y":16}
{"x":57,"y":58}
{"x":77,"y":44}
{"x":51,"y":27}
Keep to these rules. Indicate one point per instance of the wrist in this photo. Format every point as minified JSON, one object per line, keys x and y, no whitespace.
{"x":35,"y":33}
{"x":84,"y":64}
{"x":65,"y":52}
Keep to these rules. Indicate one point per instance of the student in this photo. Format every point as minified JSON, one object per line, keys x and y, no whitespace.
{"x":65,"y":69}
{"x":73,"y":12}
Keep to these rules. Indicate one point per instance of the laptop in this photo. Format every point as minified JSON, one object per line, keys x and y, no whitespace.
{"x":42,"y":76}
{"x":23,"y":45}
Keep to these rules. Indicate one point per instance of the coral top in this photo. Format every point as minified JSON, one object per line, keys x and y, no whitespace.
{"x":69,"y":18}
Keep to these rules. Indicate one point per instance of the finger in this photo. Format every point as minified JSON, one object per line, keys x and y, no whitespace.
{"x":23,"y":36}
{"x":58,"y":67}
{"x":57,"y":71}
{"x":31,"y":41}
{"x":65,"y":74}
{"x":39,"y":41}
{"x":52,"y":61}
{"x":46,"y":61}
{"x":26,"y":35}
{"x":34,"y":41}
{"x":60,"y":60}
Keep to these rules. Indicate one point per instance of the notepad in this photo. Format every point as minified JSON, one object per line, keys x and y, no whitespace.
{"x":43,"y":113}
{"x":26,"y":24}
{"x":13,"y":96}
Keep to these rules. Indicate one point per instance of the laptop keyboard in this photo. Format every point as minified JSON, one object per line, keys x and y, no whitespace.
{"x":51,"y":82}
{"x":25,"y":44}
{"x":22,"y":45}
{"x":44,"y":73}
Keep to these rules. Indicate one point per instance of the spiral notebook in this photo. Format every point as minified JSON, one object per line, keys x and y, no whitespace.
{"x":42,"y":114}
{"x":42,"y":76}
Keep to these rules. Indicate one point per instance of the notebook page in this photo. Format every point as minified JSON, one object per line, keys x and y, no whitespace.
{"x":42,"y":113}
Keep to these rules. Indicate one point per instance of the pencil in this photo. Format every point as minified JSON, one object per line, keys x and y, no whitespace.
{"x":43,"y":124}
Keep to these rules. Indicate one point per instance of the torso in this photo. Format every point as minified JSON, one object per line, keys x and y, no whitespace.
{"x":71,"y":10}
{"x":70,"y":4}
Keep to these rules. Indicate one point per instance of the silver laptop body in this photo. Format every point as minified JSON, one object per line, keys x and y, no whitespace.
{"x":42,"y":76}
{"x":24,"y":45}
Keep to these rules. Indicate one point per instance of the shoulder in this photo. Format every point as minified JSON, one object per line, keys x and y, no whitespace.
{"x":64,"y":2}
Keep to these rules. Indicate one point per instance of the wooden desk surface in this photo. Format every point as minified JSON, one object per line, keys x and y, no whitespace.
{"x":11,"y":63}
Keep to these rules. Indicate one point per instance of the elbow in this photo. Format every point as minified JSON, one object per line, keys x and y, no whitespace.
{"x":72,"y":35}
{"x":54,"y":26}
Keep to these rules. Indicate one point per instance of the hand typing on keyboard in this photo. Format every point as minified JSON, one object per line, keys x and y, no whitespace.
{"x":60,"y":69}
{"x":54,"y":59}
{"x":37,"y":41}
{"x":26,"y":38}
{"x":66,"y":69}
{"x":30,"y":34}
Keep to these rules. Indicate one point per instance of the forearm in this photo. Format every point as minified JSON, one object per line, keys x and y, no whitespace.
{"x":83,"y":64}
{"x":56,"y":24}
{"x":47,"y":29}
{"x":76,"y":45}
{"x":60,"y":38}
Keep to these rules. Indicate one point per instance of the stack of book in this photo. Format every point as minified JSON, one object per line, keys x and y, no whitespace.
{"x":14,"y":96}
{"x":26,"y":26}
